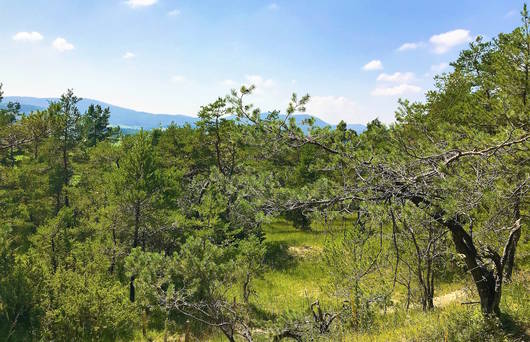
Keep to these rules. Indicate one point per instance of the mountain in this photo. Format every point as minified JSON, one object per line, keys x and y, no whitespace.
{"x":132,"y":119}
{"x":356,"y":127}
{"x":120,"y":116}
{"x":24,"y":108}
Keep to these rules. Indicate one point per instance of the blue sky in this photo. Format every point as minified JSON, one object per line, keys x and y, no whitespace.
{"x":355,"y":58}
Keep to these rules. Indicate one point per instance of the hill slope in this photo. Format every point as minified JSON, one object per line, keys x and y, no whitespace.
{"x":128,"y":118}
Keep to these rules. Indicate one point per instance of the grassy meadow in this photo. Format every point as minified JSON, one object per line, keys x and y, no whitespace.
{"x":295,"y":277}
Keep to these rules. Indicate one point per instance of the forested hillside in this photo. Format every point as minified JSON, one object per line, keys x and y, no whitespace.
{"x":132,"y":120}
{"x":253,"y":229}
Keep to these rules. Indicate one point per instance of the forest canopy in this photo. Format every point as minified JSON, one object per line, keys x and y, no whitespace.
{"x":165,"y":233}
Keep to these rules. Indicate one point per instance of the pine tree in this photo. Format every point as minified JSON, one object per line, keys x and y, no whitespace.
{"x":97,"y":124}
{"x":67,"y":132}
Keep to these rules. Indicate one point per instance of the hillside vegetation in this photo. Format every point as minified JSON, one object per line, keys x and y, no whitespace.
{"x":246,"y":227}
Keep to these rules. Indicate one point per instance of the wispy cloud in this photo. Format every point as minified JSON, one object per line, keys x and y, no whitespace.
{"x":260,"y":82}
{"x":140,"y":3}
{"x":398,"y":90}
{"x":228,"y":83}
{"x":174,"y":13}
{"x":443,"y":42}
{"x":333,"y":109}
{"x":62,"y":45}
{"x":373,"y":65}
{"x":410,"y":46}
{"x":397,"y":77}
{"x":28,"y":37}
{"x":438,"y":68}
{"x":510,"y":14}
{"x":128,"y":55}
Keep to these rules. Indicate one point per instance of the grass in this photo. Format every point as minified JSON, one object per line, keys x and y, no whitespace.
{"x":456,"y":322}
{"x":295,"y":277}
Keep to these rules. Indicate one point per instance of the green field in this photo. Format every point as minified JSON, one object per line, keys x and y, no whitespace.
{"x":295,"y":278}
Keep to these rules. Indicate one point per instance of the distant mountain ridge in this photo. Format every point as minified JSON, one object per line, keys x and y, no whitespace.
{"x":120,"y":116}
{"x":129,"y":118}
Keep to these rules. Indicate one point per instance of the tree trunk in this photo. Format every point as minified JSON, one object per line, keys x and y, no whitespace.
{"x":217,"y":146}
{"x":510,"y":261}
{"x":57,"y":202}
{"x":487,"y":282}
{"x":246,"y":288}
{"x":510,"y":258}
{"x":136,"y":225}
{"x":65,"y":170}
{"x":114,"y":243}
{"x":409,"y":295}
{"x":427,"y":300}
{"x":229,"y":333}
{"x":135,"y":244}
{"x":12,"y":156}
{"x":132,"y":291}
{"x":54,"y":259}
{"x":425,"y":280}
{"x":35,"y":149}
{"x":429,"y":285}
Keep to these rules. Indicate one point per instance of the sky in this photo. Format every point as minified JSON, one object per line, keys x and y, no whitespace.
{"x":355,"y":58}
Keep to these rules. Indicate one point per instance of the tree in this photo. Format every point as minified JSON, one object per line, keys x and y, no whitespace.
{"x":10,"y":113}
{"x":352,"y":258}
{"x":464,"y":140}
{"x":67,"y":131}
{"x":96,"y":124}
{"x":11,"y":136}
{"x":194,"y":283}
{"x":37,"y":127}
{"x":420,"y":244}
{"x":137,"y":187}
{"x":250,"y":263}
{"x":81,"y":302}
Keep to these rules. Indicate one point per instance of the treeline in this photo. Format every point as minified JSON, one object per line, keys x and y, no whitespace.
{"x":104,"y":235}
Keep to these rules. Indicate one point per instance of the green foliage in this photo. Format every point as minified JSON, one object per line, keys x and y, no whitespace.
{"x":203,"y":267}
{"x":96,"y":125}
{"x":250,"y":263}
{"x":106,"y":236}
{"x":83,"y":303}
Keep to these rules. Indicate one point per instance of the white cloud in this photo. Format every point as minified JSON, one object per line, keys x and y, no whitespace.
{"x":373,"y":65}
{"x":443,"y":42}
{"x":28,"y":36}
{"x":178,"y":79}
{"x":333,"y":109}
{"x":173,"y":13}
{"x":273,"y":6}
{"x":260,"y":82}
{"x":438,"y":68}
{"x":397,"y":77}
{"x":229,"y":83}
{"x":510,"y":14}
{"x":410,"y":46}
{"x":129,"y":55}
{"x":140,"y":3}
{"x":396,"y":90}
{"x":61,"y":45}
